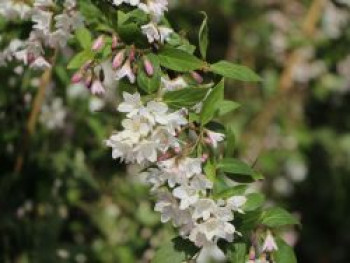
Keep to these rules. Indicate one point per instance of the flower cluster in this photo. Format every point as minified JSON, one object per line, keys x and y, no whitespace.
{"x":154,"y":31}
{"x":150,"y":131}
{"x":182,"y":191}
{"x":50,"y":29}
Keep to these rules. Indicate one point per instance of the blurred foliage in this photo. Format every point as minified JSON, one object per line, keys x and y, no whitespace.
{"x":72,"y":203}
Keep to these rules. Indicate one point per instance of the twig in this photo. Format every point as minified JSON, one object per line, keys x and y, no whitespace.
{"x":33,"y":117}
{"x":265,"y":117}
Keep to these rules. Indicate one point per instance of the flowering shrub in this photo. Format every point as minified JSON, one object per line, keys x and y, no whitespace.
{"x":171,"y":100}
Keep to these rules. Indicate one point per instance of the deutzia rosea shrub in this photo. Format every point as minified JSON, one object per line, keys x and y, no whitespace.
{"x":171,"y":103}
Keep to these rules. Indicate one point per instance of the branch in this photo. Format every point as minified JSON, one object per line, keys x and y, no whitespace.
{"x":34,"y":114}
{"x":265,"y":117}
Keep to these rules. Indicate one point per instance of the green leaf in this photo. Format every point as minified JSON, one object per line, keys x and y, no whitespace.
{"x":285,"y":253}
{"x":80,"y":59}
{"x":211,"y":103}
{"x":175,"y":251}
{"x":237,"y":253}
{"x":84,"y":38}
{"x":230,"y":141}
{"x":249,"y":221}
{"x":179,"y":60}
{"x":232,"y":191}
{"x":277,"y":217}
{"x":186,"y":97}
{"x":254,"y":201}
{"x":234,"y":71}
{"x":130,"y":32}
{"x":146,"y":83}
{"x":203,"y":36}
{"x":235,"y":166}
{"x":227,"y":106}
{"x":210,"y":170}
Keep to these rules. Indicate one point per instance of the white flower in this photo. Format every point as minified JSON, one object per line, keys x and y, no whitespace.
{"x":130,"y":2}
{"x":213,"y":228}
{"x":201,"y":183}
{"x":154,"y":33}
{"x":187,"y":196}
{"x":203,"y":208}
{"x":53,"y":114}
{"x":42,"y":21}
{"x":236,"y":203}
{"x":131,"y":104}
{"x":14,"y":9}
{"x":215,"y":138}
{"x":151,"y":32}
{"x":164,"y":33}
{"x":43,"y":3}
{"x":40,"y":63}
{"x":170,"y":85}
{"x":155,"y":8}
{"x":167,"y":206}
{"x":146,"y":151}
{"x":155,"y":177}
{"x":269,"y":243}
{"x":97,"y":88}
{"x":137,"y":125}
{"x":126,"y":71}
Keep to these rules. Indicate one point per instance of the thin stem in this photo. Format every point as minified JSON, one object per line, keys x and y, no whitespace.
{"x":34,"y":114}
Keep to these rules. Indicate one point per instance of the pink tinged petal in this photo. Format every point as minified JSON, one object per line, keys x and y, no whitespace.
{"x":115,"y":42}
{"x":77,"y":77}
{"x":132,"y":54}
{"x":148,"y":67}
{"x":269,"y":244}
{"x":205,"y":157}
{"x":97,"y":88}
{"x":197,"y":77}
{"x":98,"y":43}
{"x":118,"y":60}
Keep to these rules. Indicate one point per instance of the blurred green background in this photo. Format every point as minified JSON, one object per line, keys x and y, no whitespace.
{"x":70,"y":202}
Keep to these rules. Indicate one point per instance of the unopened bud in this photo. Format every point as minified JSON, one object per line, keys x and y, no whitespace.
{"x":118,"y":60}
{"x":197,"y":77}
{"x":30,"y":58}
{"x":114,"y":42}
{"x":177,"y":150}
{"x":98,"y":43}
{"x":252,"y":254}
{"x":148,"y":67}
{"x":132,"y":54}
{"x":205,"y":157}
{"x":77,"y":77}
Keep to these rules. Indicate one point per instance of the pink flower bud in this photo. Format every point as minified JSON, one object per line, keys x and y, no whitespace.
{"x":114,"y":42}
{"x":205,"y":157}
{"x":197,"y":77}
{"x":30,"y":58}
{"x":132,"y":54}
{"x":118,"y":60}
{"x":252,"y":254}
{"x":177,"y":150}
{"x":77,"y":77}
{"x":148,"y":67}
{"x":98,"y":43}
{"x":97,"y":88}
